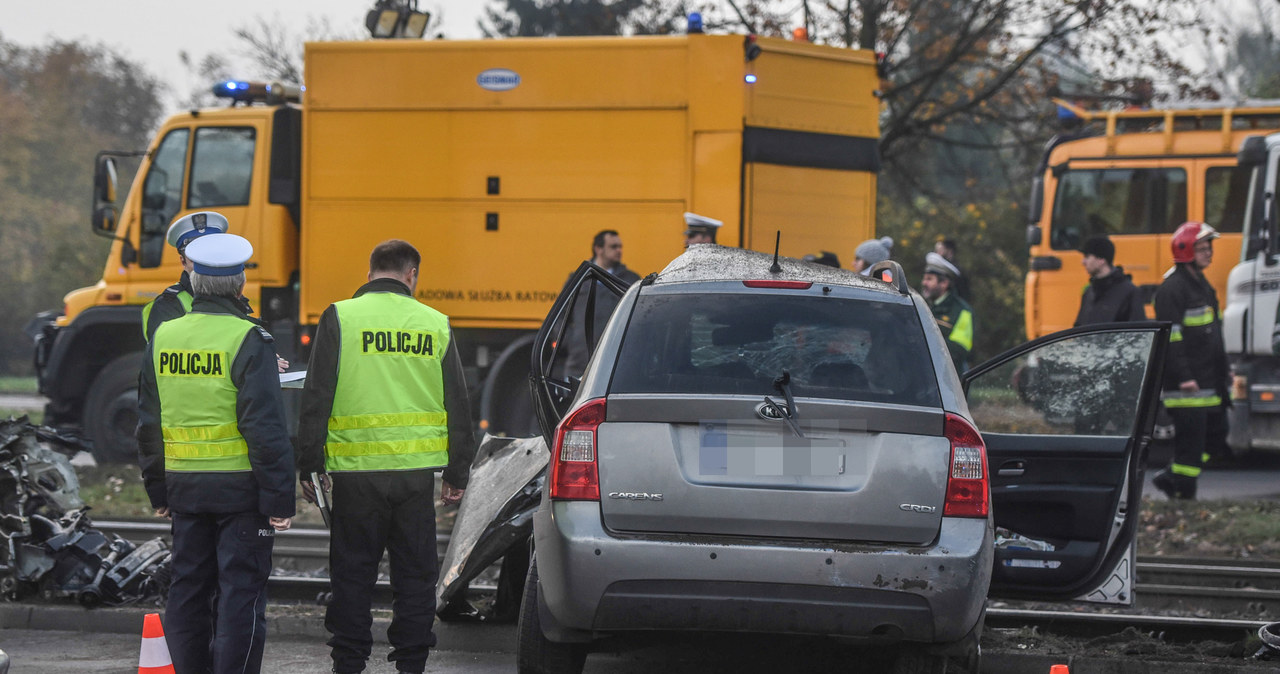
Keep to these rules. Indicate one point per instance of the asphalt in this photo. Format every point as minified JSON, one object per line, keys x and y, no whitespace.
{"x":296,"y":636}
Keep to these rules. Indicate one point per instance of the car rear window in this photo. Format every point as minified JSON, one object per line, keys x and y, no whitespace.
{"x":738,"y":343}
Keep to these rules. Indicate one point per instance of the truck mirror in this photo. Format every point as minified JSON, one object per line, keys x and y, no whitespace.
{"x":104,"y":219}
{"x":1036,"y":203}
{"x":1034,"y":235}
{"x":105,"y":179}
{"x":1253,"y":151}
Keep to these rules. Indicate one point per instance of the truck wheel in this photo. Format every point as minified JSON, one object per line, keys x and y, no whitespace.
{"x":535,"y":654}
{"x":111,"y":410}
{"x":506,"y":407}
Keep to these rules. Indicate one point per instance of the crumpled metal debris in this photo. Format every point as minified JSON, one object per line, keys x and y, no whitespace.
{"x":495,"y":521}
{"x":48,"y":546}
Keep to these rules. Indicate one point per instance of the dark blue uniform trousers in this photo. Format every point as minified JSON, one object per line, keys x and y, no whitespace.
{"x":215,"y":619}
{"x":372,"y":512}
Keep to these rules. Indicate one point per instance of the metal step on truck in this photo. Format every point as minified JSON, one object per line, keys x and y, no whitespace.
{"x":499,"y":160}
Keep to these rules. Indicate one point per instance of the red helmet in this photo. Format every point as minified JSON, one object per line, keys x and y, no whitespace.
{"x":1185,"y":238}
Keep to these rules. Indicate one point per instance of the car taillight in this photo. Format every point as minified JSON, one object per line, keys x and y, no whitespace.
{"x":574,"y":476}
{"x":967,"y":485}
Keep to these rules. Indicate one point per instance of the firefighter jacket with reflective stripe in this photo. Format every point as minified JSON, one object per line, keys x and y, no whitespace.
{"x":1196,"y":351}
{"x":211,"y":435}
{"x":955,"y":318}
{"x":175,"y":301}
{"x":388,"y":407}
{"x":330,"y":363}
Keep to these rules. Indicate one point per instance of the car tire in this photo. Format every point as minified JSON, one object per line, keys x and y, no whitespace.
{"x":913,"y":660}
{"x":535,"y":654}
{"x":111,"y":411}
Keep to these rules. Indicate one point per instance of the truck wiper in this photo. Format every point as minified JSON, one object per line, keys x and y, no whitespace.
{"x":783,"y":384}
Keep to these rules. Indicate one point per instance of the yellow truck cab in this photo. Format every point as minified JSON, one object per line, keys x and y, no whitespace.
{"x":1134,"y":175}
{"x":499,"y":160}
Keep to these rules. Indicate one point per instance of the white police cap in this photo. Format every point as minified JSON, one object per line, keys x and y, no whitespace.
{"x":936,"y":264}
{"x":191,"y":226}
{"x":700,"y":224}
{"x":219,"y":254}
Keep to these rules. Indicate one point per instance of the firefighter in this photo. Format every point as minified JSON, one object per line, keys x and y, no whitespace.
{"x":176,"y":299}
{"x":1195,"y":372}
{"x":216,"y":459}
{"x":384,"y":407}
{"x":953,"y":315}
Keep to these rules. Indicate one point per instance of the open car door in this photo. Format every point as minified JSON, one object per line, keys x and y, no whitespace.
{"x":1067,"y":422}
{"x":566,"y":340}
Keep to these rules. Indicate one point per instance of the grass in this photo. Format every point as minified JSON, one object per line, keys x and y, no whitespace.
{"x":34,"y":416}
{"x":116,"y":491}
{"x":26,"y":385}
{"x":1236,"y":529}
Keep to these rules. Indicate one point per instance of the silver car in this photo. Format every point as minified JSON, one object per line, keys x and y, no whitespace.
{"x":771,"y":446}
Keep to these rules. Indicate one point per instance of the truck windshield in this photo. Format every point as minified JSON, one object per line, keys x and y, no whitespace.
{"x":738,"y":343}
{"x":221,"y":167}
{"x":1116,"y":201}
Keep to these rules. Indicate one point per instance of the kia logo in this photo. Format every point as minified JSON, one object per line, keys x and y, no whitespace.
{"x":768,"y":412}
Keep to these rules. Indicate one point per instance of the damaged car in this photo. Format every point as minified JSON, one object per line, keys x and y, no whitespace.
{"x":48,"y":545}
{"x":763,"y":445}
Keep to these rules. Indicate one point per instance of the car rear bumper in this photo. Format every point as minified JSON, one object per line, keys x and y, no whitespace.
{"x":592,"y":579}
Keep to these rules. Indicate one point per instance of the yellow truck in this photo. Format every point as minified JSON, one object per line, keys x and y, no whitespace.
{"x":1135,"y":175}
{"x":499,"y":160}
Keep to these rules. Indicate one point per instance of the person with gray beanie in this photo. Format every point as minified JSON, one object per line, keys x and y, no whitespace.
{"x":868,"y":253}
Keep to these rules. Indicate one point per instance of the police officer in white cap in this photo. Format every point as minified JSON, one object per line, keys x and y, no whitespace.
{"x":699,"y":229}
{"x":176,"y":299}
{"x":216,"y":459}
{"x":953,"y":315}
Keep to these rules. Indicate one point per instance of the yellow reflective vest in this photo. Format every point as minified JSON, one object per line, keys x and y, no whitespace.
{"x":388,"y":406}
{"x":192,"y":357}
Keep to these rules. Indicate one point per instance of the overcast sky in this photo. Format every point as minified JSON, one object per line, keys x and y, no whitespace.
{"x":153,"y":32}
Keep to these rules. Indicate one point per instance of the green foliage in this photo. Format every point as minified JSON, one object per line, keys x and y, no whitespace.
{"x":991,"y":252}
{"x":24,"y":385}
{"x":59,"y":105}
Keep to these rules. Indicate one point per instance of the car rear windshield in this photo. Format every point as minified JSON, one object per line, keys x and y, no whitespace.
{"x":738,"y":343}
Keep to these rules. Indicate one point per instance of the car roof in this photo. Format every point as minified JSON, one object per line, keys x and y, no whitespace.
{"x":711,"y":262}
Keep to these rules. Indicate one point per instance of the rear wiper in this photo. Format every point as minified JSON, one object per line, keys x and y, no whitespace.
{"x":783,"y":384}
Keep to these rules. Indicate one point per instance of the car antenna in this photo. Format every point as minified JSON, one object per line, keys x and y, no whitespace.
{"x":776,"y":268}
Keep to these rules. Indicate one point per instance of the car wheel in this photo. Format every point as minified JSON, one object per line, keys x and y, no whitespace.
{"x":913,"y":660}
{"x":535,"y":654}
{"x":111,"y":411}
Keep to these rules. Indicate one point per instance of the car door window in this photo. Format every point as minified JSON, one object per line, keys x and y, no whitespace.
{"x":1066,"y":420}
{"x":221,"y":167}
{"x":162,"y":195}
{"x":1089,"y":385}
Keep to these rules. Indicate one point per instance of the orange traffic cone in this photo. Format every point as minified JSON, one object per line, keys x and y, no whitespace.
{"x":1059,"y":669}
{"x":154,"y":658}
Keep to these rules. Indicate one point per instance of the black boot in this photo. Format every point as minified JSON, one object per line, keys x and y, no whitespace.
{"x":1164,"y":482}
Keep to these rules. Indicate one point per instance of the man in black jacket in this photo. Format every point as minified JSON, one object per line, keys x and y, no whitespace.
{"x":384,"y":407}
{"x":606,"y":253}
{"x":1195,"y":370}
{"x":216,"y":459}
{"x":1111,"y":296}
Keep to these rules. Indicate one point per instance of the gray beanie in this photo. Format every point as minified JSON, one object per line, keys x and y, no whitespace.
{"x":875,"y":250}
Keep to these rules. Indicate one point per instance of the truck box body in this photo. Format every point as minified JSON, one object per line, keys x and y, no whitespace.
{"x":502,"y":188}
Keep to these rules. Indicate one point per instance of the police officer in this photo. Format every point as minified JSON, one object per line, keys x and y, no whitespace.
{"x":1195,"y":369}
{"x":384,"y":407}
{"x":176,"y":299}
{"x":953,"y":315}
{"x":216,"y":459}
{"x":700,"y":229}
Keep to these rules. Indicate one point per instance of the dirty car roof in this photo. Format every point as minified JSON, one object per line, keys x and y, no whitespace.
{"x":711,"y":262}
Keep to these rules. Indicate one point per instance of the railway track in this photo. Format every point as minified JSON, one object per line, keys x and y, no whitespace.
{"x":1220,"y":599}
